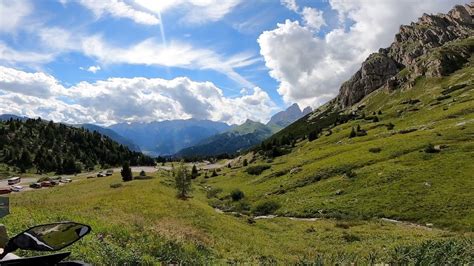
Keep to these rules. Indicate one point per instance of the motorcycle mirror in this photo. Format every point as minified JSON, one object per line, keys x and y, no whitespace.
{"x":48,"y":237}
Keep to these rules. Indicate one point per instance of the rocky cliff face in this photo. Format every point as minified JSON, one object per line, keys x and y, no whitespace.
{"x":419,"y":47}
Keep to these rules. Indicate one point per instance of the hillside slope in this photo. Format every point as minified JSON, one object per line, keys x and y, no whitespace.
{"x":414,"y":164}
{"x":239,"y":138}
{"x":51,"y":147}
{"x":111,"y":134}
{"x":434,"y":46}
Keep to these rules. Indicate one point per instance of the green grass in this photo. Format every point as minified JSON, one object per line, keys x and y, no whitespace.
{"x":338,"y":180}
{"x":143,"y":222}
{"x":401,"y":181}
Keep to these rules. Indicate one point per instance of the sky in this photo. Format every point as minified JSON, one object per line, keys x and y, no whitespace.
{"x":115,"y":61}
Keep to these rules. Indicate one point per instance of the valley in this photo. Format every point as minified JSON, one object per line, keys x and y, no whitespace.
{"x":380,"y":173}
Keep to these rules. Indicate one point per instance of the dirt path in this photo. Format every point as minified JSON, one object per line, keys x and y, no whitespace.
{"x":426,"y":227}
{"x":261,"y":217}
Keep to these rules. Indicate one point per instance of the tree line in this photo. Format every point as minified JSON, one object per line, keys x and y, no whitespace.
{"x":54,"y":147}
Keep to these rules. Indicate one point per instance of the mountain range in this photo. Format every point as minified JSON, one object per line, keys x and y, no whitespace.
{"x":242,"y":137}
{"x":176,"y":136}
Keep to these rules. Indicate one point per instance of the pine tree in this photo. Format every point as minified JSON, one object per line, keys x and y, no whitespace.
{"x":353,"y":133}
{"x":182,"y":181}
{"x":194,"y":172}
{"x":245,"y":163}
{"x":126,"y":172}
{"x":25,"y":161}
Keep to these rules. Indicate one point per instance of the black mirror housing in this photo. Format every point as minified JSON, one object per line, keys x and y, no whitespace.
{"x":48,"y":237}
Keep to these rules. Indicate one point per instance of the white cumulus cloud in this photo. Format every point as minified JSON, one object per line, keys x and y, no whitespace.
{"x":127,"y":99}
{"x":311,"y":68}
{"x":12,"y":14}
{"x":92,"y":69}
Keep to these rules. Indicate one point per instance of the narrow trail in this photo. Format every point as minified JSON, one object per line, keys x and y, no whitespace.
{"x":269,"y":217}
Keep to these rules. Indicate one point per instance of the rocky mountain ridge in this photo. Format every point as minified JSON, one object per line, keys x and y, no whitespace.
{"x":412,"y":43}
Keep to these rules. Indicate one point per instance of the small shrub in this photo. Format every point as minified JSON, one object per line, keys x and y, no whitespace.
{"x":115,"y":185}
{"x":375,"y":150}
{"x":251,"y":220}
{"x":390,"y":126}
{"x":214,"y":173}
{"x":350,"y":238}
{"x":342,"y":225}
{"x":213,"y":192}
{"x":237,"y":194}
{"x":350,"y":174}
{"x":257,"y":169}
{"x":242,"y":206}
{"x":430,"y":148}
{"x":245,"y":163}
{"x":142,"y":173}
{"x":375,"y":119}
{"x":266,"y":208}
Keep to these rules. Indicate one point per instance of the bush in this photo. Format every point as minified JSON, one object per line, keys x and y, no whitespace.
{"x":257,"y":169}
{"x":245,"y":163}
{"x":142,"y":173}
{"x":375,"y":150}
{"x":390,"y":126}
{"x":213,"y":192}
{"x":237,"y":194}
{"x":266,"y":208}
{"x":350,"y":237}
{"x":430,"y":148}
{"x":214,"y":173}
{"x":350,"y":174}
{"x":313,"y":135}
{"x":115,"y":185}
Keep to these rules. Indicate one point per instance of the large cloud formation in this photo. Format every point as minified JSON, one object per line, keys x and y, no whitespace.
{"x":126,"y":99}
{"x":310,"y":67}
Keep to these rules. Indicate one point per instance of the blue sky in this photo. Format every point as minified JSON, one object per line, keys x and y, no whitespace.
{"x":110,"y":61}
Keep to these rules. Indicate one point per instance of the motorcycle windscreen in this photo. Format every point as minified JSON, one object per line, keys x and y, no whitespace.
{"x":51,"y":237}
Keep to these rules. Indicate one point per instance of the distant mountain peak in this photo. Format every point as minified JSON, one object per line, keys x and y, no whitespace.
{"x":307,"y":110}
{"x":290,"y":115}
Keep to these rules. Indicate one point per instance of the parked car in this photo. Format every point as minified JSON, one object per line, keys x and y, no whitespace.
{"x":66,"y":180}
{"x":101,"y":174}
{"x":35,"y":185}
{"x":5,"y":190}
{"x":46,"y":184}
{"x":54,"y":182}
{"x":16,"y":188}
{"x":109,"y":172}
{"x":57,"y":178}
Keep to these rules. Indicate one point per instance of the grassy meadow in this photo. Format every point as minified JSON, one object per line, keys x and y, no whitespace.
{"x":348,"y":183}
